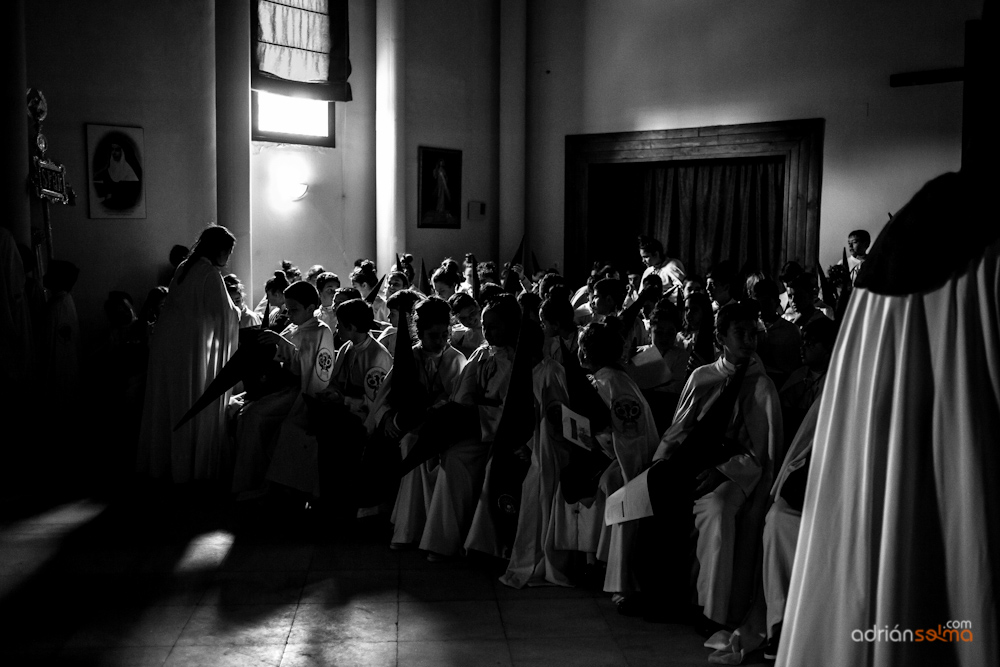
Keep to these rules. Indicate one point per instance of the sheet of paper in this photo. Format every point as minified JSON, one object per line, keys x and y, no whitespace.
{"x":576,"y":427}
{"x":649,"y":369}
{"x":629,"y":502}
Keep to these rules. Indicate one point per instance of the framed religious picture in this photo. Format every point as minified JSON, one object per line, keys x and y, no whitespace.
{"x":439,"y":188}
{"x":115,"y":172}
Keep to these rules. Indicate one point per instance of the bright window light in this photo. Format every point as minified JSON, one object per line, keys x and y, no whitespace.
{"x":292,"y":115}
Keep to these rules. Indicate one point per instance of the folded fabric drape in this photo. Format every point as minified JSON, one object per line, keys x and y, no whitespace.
{"x":300,"y":47}
{"x":705,"y":212}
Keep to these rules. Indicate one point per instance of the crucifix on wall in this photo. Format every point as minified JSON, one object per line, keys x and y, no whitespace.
{"x":48,"y":177}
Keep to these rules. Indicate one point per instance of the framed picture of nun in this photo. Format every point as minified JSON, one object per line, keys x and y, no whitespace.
{"x":115,"y":172}
{"x":439,"y":187}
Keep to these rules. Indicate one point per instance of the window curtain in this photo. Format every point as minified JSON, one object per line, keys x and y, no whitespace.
{"x":706,"y":212}
{"x":300,"y":48}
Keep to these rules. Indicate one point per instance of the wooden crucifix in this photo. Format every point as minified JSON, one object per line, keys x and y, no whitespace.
{"x":48,"y":177}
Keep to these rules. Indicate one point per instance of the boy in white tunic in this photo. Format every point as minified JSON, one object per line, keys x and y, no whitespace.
{"x":305,"y":349}
{"x":439,"y":367}
{"x":482,"y":386}
{"x":727,"y":548}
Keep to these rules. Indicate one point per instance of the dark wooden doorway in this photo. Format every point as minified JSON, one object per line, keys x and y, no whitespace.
{"x":599,"y":224}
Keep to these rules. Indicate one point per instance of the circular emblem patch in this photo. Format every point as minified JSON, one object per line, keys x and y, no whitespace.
{"x":324,"y":364}
{"x":627,"y":411}
{"x":373,"y":380}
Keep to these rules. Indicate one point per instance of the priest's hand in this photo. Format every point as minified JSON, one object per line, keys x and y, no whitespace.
{"x":708,"y":481}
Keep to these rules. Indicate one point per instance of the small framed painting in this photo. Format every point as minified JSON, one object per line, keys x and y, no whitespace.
{"x":439,"y":188}
{"x":115,"y":171}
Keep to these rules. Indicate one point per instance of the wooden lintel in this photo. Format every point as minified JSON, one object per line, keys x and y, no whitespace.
{"x":927,"y":77}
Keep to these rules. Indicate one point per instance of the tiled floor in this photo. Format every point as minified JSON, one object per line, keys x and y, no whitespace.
{"x":186,"y":580}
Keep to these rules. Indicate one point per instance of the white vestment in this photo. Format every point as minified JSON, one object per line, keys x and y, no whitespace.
{"x":633,"y":440}
{"x":483,"y":384}
{"x":899,"y":526}
{"x":730,"y":517}
{"x":277,"y":417}
{"x":439,"y":375}
{"x":195,"y":335}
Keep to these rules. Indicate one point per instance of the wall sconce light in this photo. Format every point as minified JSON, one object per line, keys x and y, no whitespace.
{"x":295,"y":191}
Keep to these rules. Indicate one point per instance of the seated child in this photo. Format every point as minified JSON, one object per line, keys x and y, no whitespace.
{"x":327,"y":284}
{"x":237,"y":293}
{"x":778,"y":345}
{"x":305,"y":349}
{"x":362,"y":363}
{"x":483,"y":387}
{"x":400,"y":301}
{"x":660,"y":369}
{"x":439,"y":366}
{"x":561,"y":335}
{"x":630,"y":443}
{"x":467,"y":335}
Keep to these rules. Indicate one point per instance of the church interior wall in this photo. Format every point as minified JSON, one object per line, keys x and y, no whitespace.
{"x":451,"y":99}
{"x":334,"y":224}
{"x":144,"y":64}
{"x":632,"y":65}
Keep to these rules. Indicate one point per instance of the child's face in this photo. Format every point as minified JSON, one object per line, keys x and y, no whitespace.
{"x":664,"y":334}
{"x":434,"y":339}
{"x":395,"y":285}
{"x":346,"y":331}
{"x":550,"y":329}
{"x":364,"y":288}
{"x":275,"y":299}
{"x":649,"y":258}
{"x":443,"y":290}
{"x":470,"y":317}
{"x":856,"y":246}
{"x":692,"y":315}
{"x":298,"y":313}
{"x":494,"y":328}
{"x":236,"y":296}
{"x":604,"y":304}
{"x":815,"y":355}
{"x":692,"y":286}
{"x":740,"y":341}
{"x":327,"y":293}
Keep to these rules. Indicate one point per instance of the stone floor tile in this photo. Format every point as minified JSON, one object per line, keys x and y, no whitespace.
{"x":149,"y":626}
{"x":366,"y":621}
{"x":260,"y":587}
{"x":334,"y":587}
{"x":457,"y":653}
{"x":238,"y":624}
{"x":249,"y":557}
{"x":225,"y":656}
{"x":475,"y":619}
{"x":527,"y":619}
{"x":346,"y":653}
{"x":566,"y":651}
{"x":428,"y":585}
{"x":123,"y":656}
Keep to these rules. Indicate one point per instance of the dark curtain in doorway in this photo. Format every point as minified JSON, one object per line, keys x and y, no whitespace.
{"x":705,"y":212}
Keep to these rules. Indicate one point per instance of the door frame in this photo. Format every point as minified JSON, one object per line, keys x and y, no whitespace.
{"x":800,"y":142}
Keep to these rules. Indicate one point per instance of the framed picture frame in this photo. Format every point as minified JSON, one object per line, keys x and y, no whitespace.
{"x":116,"y":172}
{"x":439,"y":188}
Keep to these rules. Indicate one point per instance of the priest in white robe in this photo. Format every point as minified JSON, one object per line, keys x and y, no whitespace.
{"x":899,"y":535}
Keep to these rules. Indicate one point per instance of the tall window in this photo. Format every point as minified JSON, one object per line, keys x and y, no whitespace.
{"x":300,"y":69}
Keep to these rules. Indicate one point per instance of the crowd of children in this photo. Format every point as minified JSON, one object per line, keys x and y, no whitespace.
{"x":379,"y":398}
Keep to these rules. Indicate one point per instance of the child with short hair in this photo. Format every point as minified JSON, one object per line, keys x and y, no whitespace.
{"x":305,"y":349}
{"x":482,"y":387}
{"x":439,"y":366}
{"x":327,"y":284}
{"x":467,"y":335}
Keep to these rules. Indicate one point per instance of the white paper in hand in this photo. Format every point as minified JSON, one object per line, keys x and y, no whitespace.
{"x":575,"y":427}
{"x":629,"y":502}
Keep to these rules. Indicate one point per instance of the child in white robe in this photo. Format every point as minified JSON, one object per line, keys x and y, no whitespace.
{"x":361,"y":366}
{"x":731,"y":497}
{"x":534,"y":559}
{"x":467,"y":335}
{"x":482,"y":386}
{"x":327,"y":284}
{"x":439,"y":367}
{"x":630,"y":442}
{"x":305,"y":349}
